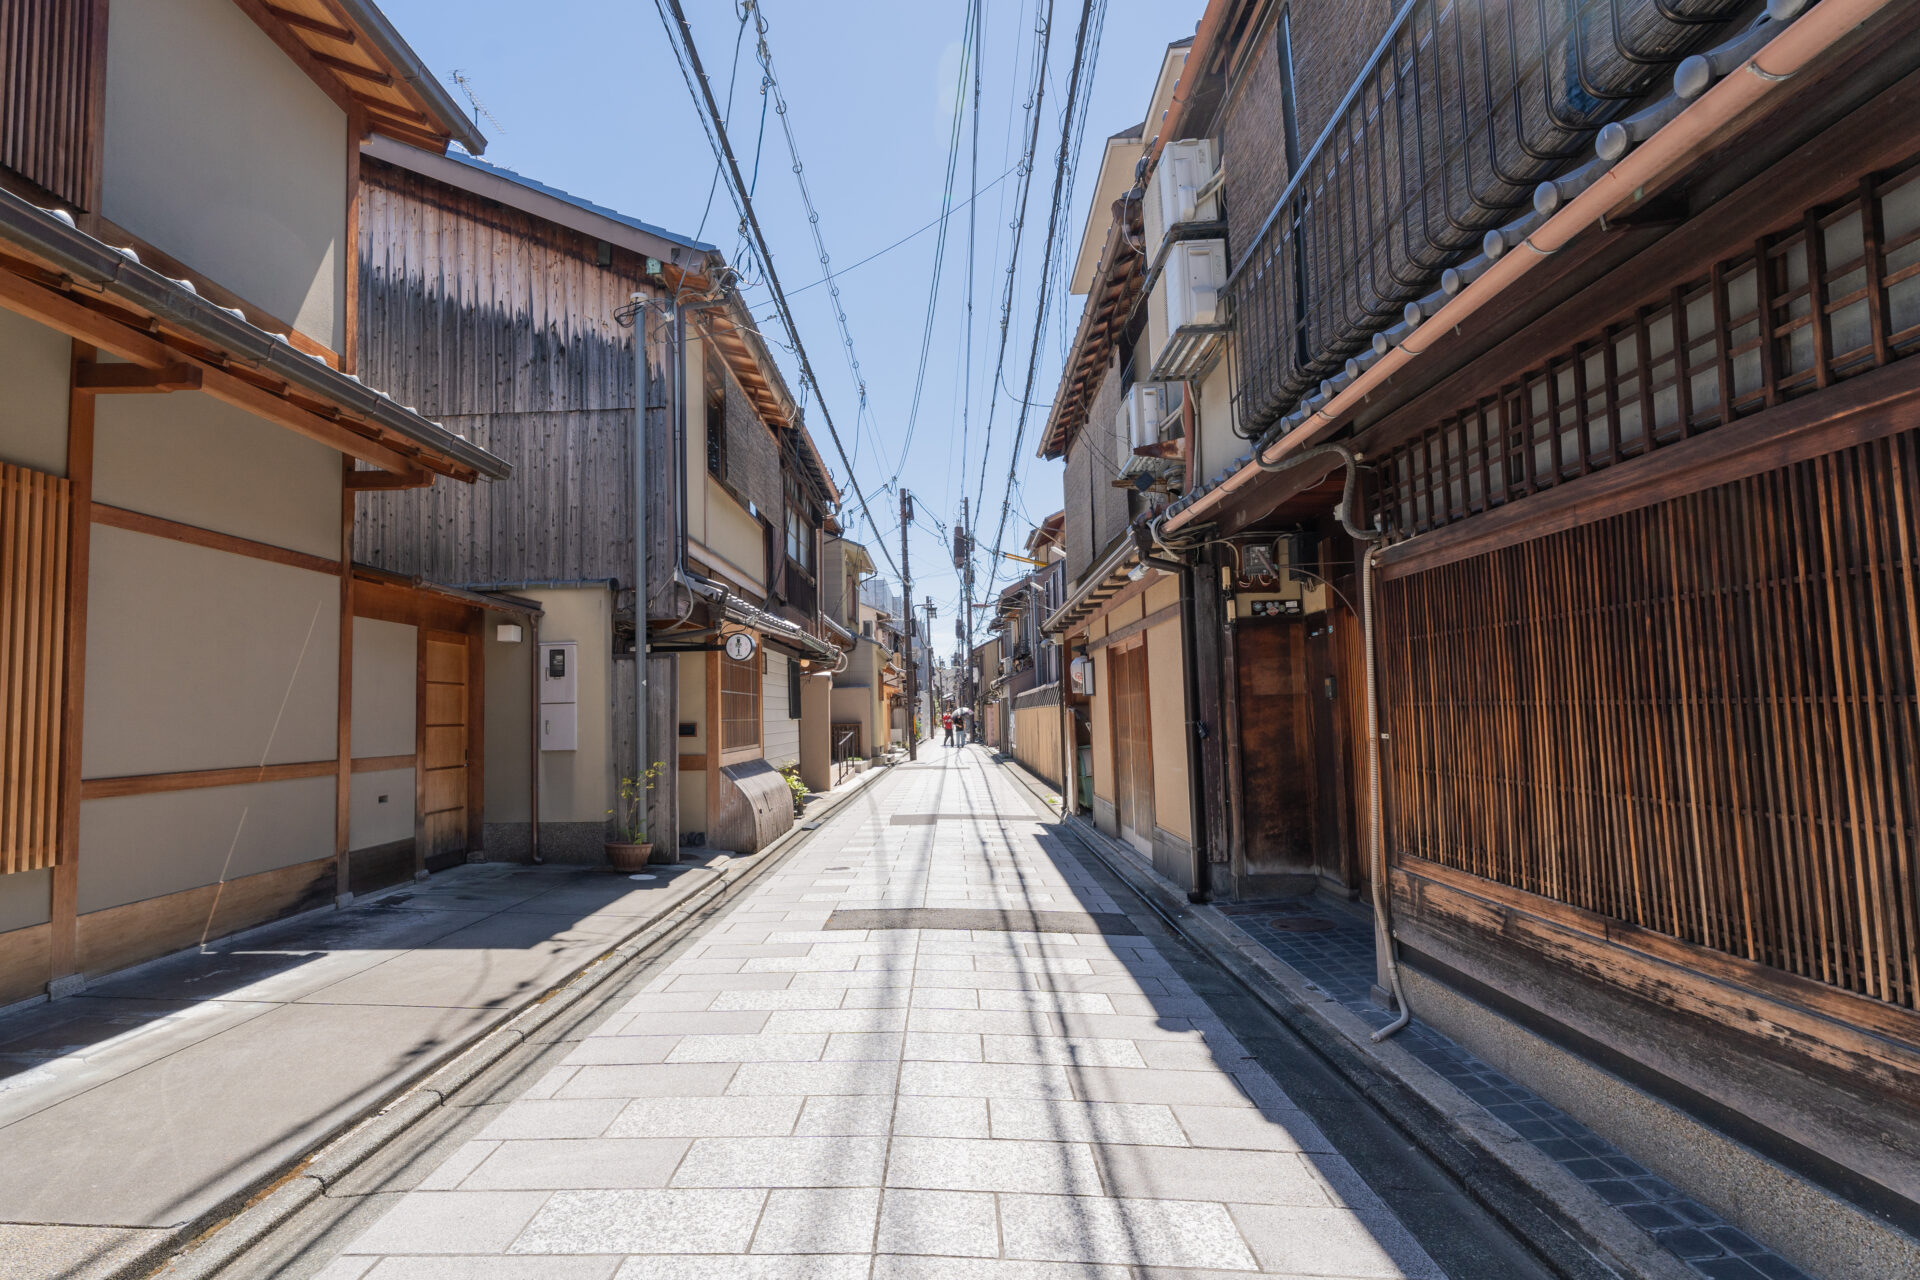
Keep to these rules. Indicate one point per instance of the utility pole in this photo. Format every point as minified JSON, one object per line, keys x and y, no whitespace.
{"x":933,"y":689}
{"x":963,"y":556}
{"x":906,"y":601}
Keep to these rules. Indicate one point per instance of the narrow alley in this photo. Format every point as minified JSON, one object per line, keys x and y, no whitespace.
{"x":937,"y":1040}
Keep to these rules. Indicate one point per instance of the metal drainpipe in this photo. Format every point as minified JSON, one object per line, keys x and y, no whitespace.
{"x":1202,"y":890}
{"x":641,"y":581}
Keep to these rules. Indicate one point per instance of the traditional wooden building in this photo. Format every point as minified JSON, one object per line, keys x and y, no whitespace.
{"x":511,"y":308}
{"x":1561,"y":379}
{"x":197,"y":733}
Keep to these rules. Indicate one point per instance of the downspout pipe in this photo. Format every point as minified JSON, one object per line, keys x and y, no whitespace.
{"x":642,"y":579}
{"x":1684,"y":139}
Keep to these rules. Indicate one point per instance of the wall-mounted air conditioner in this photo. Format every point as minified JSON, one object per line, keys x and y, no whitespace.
{"x":1173,"y":192}
{"x":1186,"y":296}
{"x":1144,"y":412}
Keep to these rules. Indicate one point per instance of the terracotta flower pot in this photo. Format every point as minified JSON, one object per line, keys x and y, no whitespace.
{"x":628,"y":857}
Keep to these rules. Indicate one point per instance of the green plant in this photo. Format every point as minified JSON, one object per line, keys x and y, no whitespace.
{"x":630,"y":817}
{"x":791,"y":772}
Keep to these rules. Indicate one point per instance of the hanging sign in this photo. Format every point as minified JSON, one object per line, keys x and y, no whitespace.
{"x":740,"y":646}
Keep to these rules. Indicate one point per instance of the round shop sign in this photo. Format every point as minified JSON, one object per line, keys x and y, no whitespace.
{"x":739,"y":646}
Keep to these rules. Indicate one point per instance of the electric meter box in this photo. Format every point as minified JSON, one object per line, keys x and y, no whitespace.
{"x":559,"y":695}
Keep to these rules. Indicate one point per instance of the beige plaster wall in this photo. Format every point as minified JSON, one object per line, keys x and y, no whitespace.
{"x":384,"y":666}
{"x":1218,"y":444}
{"x":509,"y":722}
{"x":138,"y":847}
{"x":200,"y":659}
{"x":34,"y":362}
{"x":25,"y":899}
{"x":188,"y":457}
{"x":579,"y":786}
{"x":372,"y":820}
{"x":733,"y":540}
{"x":220,"y":151}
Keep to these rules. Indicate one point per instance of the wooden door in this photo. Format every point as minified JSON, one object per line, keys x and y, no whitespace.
{"x":443,"y":746}
{"x":1278,"y":783}
{"x":1132,"y":747}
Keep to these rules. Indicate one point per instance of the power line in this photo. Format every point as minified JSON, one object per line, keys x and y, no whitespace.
{"x":1092,"y":21}
{"x":688,"y":56}
{"x":841,"y":274}
{"x":970,"y":37}
{"x":1045,"y":33}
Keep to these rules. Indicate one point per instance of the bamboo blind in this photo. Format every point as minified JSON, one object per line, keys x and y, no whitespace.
{"x":1836,"y":294}
{"x":1699,"y":717}
{"x":33,"y":595}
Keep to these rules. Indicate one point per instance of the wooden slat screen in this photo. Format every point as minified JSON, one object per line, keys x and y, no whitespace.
{"x":48,"y":66}
{"x":1699,"y":717}
{"x":33,"y":616}
{"x":1736,"y":340}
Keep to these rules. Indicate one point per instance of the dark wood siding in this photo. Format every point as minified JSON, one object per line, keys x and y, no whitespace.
{"x":1699,"y":718}
{"x":502,"y":327}
{"x":52,"y":61}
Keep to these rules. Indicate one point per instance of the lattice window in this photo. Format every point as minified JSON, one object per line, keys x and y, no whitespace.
{"x":739,"y":703}
{"x":33,"y":615}
{"x":1834,"y":296}
{"x":1699,"y":717}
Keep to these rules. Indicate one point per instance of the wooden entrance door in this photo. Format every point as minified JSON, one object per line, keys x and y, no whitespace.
{"x":1132,"y":747}
{"x":442,"y":833}
{"x":1277,"y":773}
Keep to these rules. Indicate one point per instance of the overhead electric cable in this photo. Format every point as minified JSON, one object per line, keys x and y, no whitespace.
{"x":1085,"y":55}
{"x":680,"y":38}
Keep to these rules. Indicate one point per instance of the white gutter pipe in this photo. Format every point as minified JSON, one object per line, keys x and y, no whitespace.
{"x":1567,"y":213}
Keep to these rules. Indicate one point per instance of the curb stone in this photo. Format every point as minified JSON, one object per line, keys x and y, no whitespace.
{"x":1574,"y":1231}
{"x":200,"y":1251}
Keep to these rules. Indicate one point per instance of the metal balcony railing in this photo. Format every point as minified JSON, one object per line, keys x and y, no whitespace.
{"x":1463,"y":109}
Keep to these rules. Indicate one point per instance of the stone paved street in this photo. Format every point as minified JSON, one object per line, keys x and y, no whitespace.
{"x":1016,"y":1084}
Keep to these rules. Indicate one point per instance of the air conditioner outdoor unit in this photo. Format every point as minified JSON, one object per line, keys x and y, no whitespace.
{"x":1185,"y":168}
{"x":1143,"y":412}
{"x":1195,"y":273}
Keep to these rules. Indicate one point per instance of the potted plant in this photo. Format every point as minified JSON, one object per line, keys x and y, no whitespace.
{"x":629,"y":850}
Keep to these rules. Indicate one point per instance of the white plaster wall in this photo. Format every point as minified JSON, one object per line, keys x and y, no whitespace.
{"x":138,"y":847}
{"x":200,"y":659}
{"x":579,"y":786}
{"x":384,"y":666}
{"x":370,"y":821}
{"x":34,"y":364}
{"x":1218,"y":444}
{"x":188,"y":457}
{"x":220,"y":151}
{"x":779,"y":733}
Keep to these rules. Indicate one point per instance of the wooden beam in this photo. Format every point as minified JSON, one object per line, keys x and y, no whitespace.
{"x":343,"y":699}
{"x":133,"y":379}
{"x":301,"y":22}
{"x":193,"y":535}
{"x":146,"y":784}
{"x":65,"y":898}
{"x":1166,"y":613}
{"x":279,"y":30}
{"x":369,"y":481}
{"x":381,"y":764}
{"x":346,"y":68}
{"x":1867,"y":407}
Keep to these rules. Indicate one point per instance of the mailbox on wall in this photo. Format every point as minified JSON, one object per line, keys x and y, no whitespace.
{"x":559,"y":696}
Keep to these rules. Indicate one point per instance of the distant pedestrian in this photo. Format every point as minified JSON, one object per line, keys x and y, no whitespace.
{"x":962,"y":723}
{"x":946,"y":722}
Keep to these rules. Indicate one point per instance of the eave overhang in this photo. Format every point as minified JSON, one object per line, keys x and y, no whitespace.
{"x":70,"y":281}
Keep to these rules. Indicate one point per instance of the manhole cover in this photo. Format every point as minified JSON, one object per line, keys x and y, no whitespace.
{"x":1299,"y":924}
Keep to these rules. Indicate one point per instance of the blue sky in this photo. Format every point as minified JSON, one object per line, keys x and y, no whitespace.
{"x":587,"y":97}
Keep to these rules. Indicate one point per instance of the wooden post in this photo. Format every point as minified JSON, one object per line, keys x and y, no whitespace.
{"x":343,"y":727}
{"x":715,"y":743}
{"x":64,"y":960}
{"x":420,"y":745}
{"x":476,"y":736}
{"x":533,"y":741}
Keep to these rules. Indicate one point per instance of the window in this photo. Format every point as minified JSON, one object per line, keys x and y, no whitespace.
{"x":799,"y":538}
{"x":739,"y":703}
